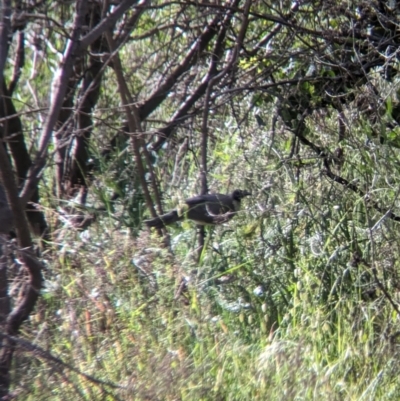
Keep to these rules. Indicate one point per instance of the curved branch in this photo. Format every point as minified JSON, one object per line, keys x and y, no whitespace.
{"x":74,"y":48}
{"x":343,"y":181}
{"x":197,"y":48}
{"x":182,"y":113}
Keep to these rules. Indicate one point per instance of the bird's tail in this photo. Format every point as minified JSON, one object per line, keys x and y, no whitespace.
{"x":164,"y":220}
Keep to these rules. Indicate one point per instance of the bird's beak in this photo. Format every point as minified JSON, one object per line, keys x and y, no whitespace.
{"x":246,"y":193}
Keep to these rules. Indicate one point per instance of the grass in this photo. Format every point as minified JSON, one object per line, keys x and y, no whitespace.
{"x":112,"y":311}
{"x":283,"y":304}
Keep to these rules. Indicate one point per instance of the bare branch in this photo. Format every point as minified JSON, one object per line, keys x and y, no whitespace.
{"x":19,"y":62}
{"x":202,"y":88}
{"x":197,"y":48}
{"x":135,"y":127}
{"x":27,"y":302}
{"x":57,"y":97}
{"x":109,"y":22}
{"x":74,"y":48}
{"x":58,"y":362}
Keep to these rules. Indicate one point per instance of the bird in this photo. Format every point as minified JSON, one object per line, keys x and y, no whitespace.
{"x":205,"y":209}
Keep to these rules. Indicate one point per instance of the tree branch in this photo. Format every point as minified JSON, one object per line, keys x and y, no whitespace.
{"x":342,"y":181}
{"x":74,"y":48}
{"x":134,"y":124}
{"x":197,"y":48}
{"x":165,"y":133}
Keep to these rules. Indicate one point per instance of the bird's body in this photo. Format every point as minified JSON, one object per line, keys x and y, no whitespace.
{"x":203,"y":209}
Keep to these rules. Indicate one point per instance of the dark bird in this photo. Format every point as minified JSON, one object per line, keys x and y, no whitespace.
{"x":203,"y":209}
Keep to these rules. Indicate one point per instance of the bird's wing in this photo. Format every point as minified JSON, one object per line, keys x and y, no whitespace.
{"x":215,"y":203}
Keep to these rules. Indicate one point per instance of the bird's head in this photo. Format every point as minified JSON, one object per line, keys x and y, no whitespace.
{"x":239,"y":194}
